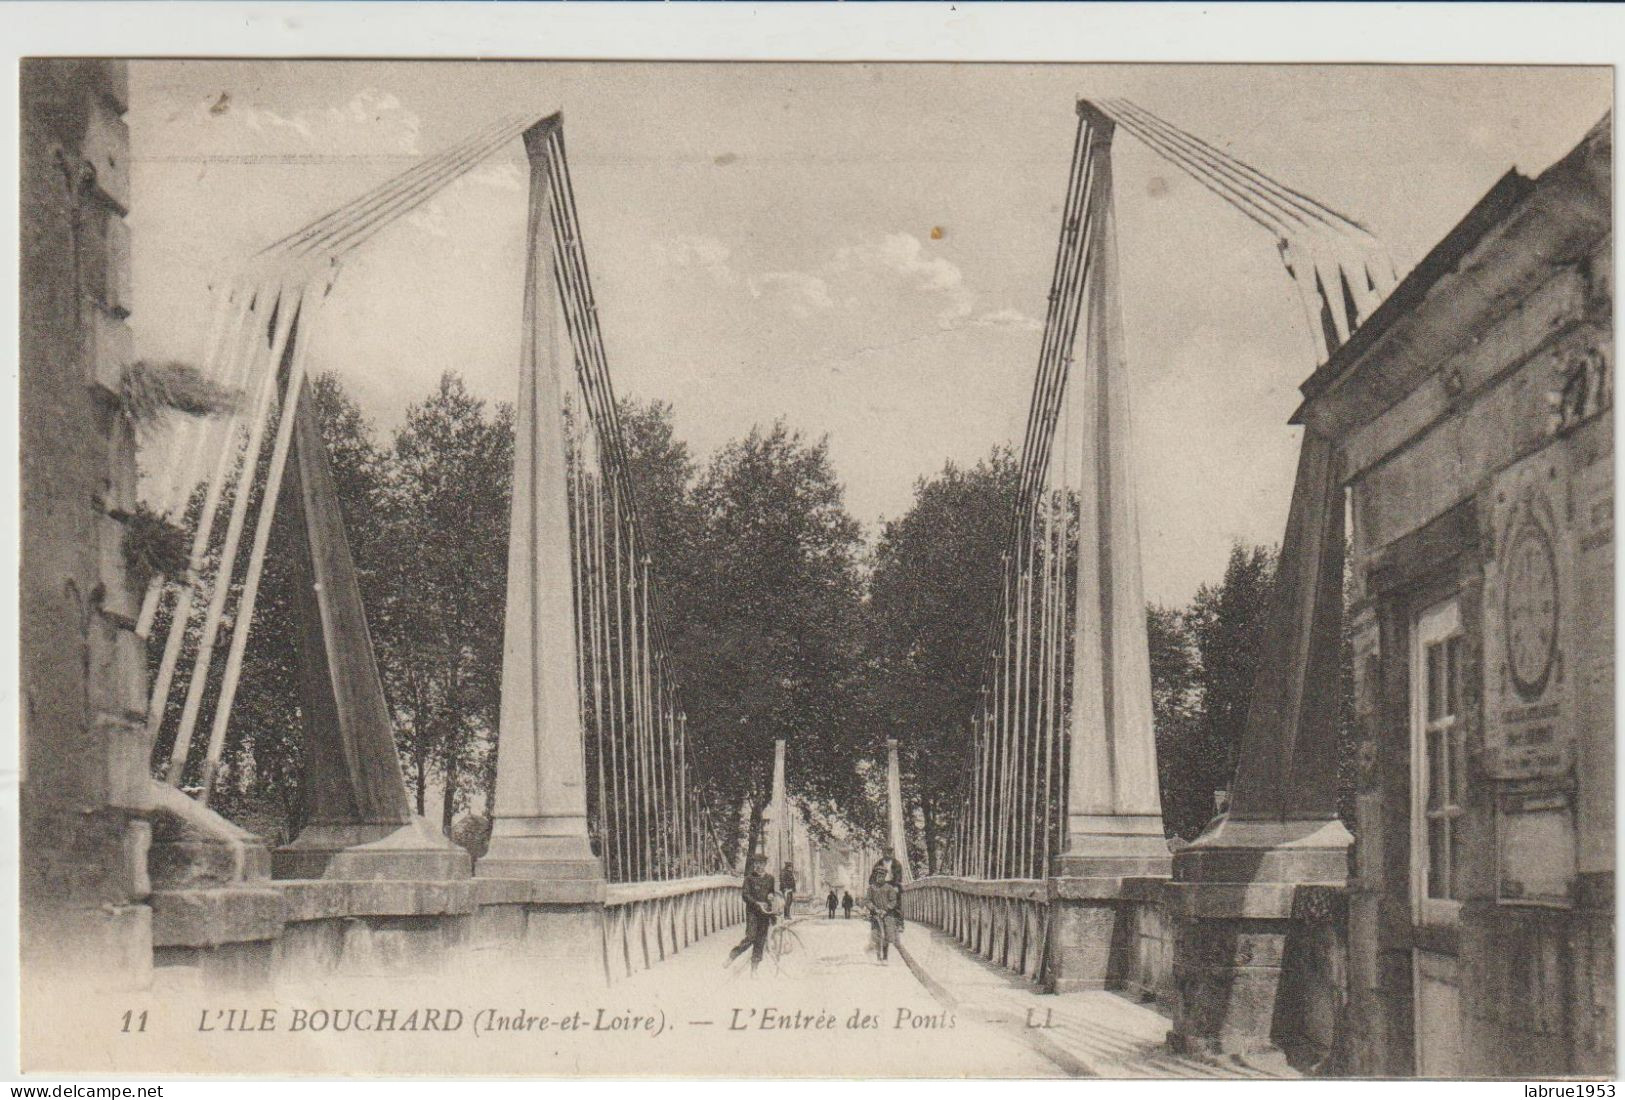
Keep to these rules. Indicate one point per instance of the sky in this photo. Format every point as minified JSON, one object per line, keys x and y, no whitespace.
{"x":861,"y":249}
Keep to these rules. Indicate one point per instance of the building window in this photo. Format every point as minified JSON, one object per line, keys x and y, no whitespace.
{"x":1438,"y":763}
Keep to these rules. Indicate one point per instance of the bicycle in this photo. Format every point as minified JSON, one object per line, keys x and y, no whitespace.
{"x":885,"y":933}
{"x":782,"y":942}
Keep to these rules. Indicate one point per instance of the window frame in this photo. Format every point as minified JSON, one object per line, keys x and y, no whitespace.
{"x":1437,"y":625}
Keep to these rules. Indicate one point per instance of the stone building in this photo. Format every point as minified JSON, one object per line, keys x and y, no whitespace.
{"x":85,"y":804}
{"x":1472,"y":414}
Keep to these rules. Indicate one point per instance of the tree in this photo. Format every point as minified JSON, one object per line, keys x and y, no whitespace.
{"x":935,"y":586}
{"x":662,"y":475}
{"x":261,"y":782}
{"x":447,"y":570}
{"x":1201,"y":706}
{"x":1176,"y":706}
{"x":668,"y":532}
{"x":1227,"y":625}
{"x":770,"y":646}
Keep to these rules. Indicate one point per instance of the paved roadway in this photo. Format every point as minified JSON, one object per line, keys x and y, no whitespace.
{"x":1094,"y":1033}
{"x":824,"y":1007}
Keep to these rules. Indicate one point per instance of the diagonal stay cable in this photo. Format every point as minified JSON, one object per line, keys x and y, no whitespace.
{"x":370,"y":200}
{"x":351,"y":237}
{"x":1177,"y":146}
{"x":1300,"y":199}
{"x":1226,"y":190}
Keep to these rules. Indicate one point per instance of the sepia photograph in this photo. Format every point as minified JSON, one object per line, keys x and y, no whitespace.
{"x":845,"y":569}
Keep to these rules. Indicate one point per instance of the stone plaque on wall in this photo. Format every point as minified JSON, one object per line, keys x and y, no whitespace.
{"x":1528,"y":731}
{"x":1535,"y":843}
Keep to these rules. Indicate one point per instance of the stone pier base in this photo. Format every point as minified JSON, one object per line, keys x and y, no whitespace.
{"x":1086,"y":938}
{"x":1098,"y":932}
{"x":1231,"y":904}
{"x":565,"y":941}
{"x":1099,"y":885}
{"x":416,"y":851}
{"x":1227,"y":974}
{"x":562,"y":930}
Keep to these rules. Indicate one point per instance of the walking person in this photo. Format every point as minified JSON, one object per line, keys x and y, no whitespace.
{"x":787,"y":885}
{"x":832,"y":901}
{"x":887,"y":868}
{"x":757,"y":891}
{"x":846,"y":903}
{"x":885,"y":904}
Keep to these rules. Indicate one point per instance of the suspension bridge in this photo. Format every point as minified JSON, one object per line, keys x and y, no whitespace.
{"x":604,"y":859}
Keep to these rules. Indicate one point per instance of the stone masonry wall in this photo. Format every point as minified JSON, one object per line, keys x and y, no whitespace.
{"x":83,"y":813}
{"x":1536,"y":984}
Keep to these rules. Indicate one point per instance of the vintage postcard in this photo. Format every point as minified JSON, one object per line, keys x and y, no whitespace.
{"x":848,"y":569}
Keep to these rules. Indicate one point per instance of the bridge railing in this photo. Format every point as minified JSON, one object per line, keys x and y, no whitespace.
{"x":646,"y":923}
{"x":1016,"y":924}
{"x":1006,"y":921}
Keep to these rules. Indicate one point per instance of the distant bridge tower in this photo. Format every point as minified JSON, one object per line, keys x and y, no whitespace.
{"x":776,"y":843}
{"x":896,"y":823}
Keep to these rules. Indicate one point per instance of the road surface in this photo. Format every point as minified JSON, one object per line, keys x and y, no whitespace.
{"x":824,"y":1007}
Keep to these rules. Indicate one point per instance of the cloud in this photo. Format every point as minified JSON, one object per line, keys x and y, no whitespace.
{"x":704,"y":253}
{"x":464,"y":197}
{"x":803,"y":294}
{"x":429,"y":218}
{"x":904,"y":254}
{"x":500,"y":175}
{"x":902,"y":258}
{"x":1008,"y":318}
{"x":371,"y":123}
{"x":253,"y":169}
{"x":892,"y":276}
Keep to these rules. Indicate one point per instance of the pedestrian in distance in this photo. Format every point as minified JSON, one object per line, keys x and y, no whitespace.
{"x":846,"y":903}
{"x":832,"y":901}
{"x":787,"y":886}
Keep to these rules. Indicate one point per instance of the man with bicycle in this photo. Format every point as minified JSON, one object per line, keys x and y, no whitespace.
{"x":760,"y":908}
{"x":885,"y":904}
{"x":787,"y":886}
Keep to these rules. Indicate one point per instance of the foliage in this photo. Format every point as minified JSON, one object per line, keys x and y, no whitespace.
{"x":770,"y":642}
{"x":261,"y":781}
{"x":1178,"y":713}
{"x":1203,"y":663}
{"x":154,"y":547}
{"x":147,"y":390}
{"x":426,"y":520}
{"x":446,"y":564}
{"x":662,"y":474}
{"x":934,"y":588}
{"x":1227,"y":623}
{"x":774,"y":630}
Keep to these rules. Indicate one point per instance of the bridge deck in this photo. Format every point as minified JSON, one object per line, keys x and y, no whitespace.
{"x":1096,"y":1033}
{"x":937,"y":1011}
{"x":826,"y":1007}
